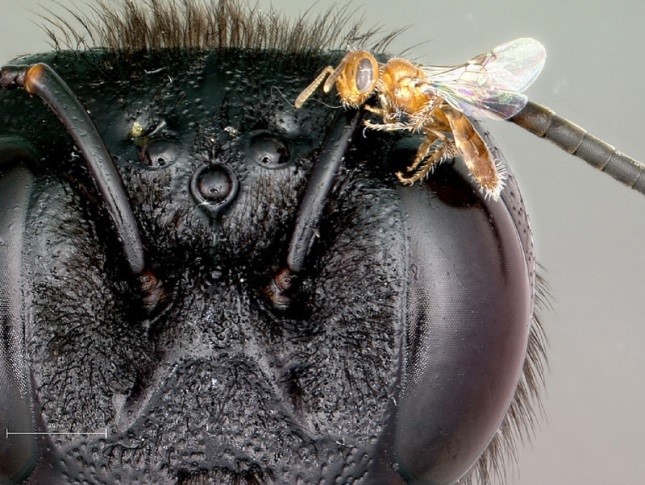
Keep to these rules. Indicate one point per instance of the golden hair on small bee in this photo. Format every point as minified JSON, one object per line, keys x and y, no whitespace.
{"x":438,"y":102}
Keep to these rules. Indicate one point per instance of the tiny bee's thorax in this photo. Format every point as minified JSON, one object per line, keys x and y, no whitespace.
{"x":398,"y":87}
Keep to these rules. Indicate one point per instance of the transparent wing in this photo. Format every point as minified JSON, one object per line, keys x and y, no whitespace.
{"x":489,"y":85}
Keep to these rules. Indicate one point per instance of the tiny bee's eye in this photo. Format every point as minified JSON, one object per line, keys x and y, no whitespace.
{"x":365,"y":75}
{"x":268,"y":150}
{"x":157,"y":154}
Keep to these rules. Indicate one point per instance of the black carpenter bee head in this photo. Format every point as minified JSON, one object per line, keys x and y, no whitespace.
{"x":195,"y":108}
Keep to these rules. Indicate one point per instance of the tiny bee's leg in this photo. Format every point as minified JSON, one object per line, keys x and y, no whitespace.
{"x":424,"y":149}
{"x":429,"y":162}
{"x":375,"y":110}
{"x":309,"y":90}
{"x":388,"y":126}
{"x":475,"y":153}
{"x":386,"y":116}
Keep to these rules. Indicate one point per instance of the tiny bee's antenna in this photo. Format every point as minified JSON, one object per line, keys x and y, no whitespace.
{"x":309,"y":90}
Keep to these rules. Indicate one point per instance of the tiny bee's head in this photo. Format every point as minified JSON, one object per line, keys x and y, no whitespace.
{"x":356,"y":80}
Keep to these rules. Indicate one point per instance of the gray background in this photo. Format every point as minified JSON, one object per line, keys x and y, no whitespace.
{"x":589,"y":230}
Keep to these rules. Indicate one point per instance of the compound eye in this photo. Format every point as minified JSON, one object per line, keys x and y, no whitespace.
{"x":268,"y":150}
{"x":214,"y":186}
{"x":365,"y":75}
{"x":158,"y":154}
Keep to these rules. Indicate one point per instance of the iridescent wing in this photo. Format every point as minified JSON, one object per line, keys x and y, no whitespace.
{"x":489,"y":85}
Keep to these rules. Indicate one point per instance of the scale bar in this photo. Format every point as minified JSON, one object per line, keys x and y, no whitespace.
{"x":9,"y":433}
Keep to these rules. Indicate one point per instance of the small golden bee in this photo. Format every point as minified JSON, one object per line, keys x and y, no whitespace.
{"x":438,"y":102}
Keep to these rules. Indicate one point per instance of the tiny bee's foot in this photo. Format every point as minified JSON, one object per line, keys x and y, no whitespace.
{"x":403,"y":179}
{"x":423,"y":153}
{"x":492,"y":189}
{"x":386,"y":126}
{"x":427,"y":162}
{"x":414,"y":177}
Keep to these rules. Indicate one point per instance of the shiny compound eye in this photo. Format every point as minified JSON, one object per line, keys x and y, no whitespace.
{"x":364,"y":72}
{"x":357,"y":81}
{"x":158,"y":154}
{"x":365,"y":75}
{"x":214,"y":186}
{"x":268,"y":150}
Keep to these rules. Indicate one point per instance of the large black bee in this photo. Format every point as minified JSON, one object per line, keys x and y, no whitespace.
{"x":203,"y":284}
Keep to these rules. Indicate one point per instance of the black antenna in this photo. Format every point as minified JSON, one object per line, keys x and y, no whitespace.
{"x":323,"y":176}
{"x":42,"y":81}
{"x":575,"y":140}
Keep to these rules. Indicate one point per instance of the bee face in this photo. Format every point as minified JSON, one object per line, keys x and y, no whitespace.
{"x":358,"y":78}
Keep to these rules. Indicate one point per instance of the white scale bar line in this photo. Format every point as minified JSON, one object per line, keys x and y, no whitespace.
{"x":103,"y":433}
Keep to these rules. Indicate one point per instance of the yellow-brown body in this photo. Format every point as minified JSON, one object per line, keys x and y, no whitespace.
{"x":405,"y":103}
{"x":398,"y":90}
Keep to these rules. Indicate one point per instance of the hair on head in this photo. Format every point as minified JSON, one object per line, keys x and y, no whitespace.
{"x":149,"y":25}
